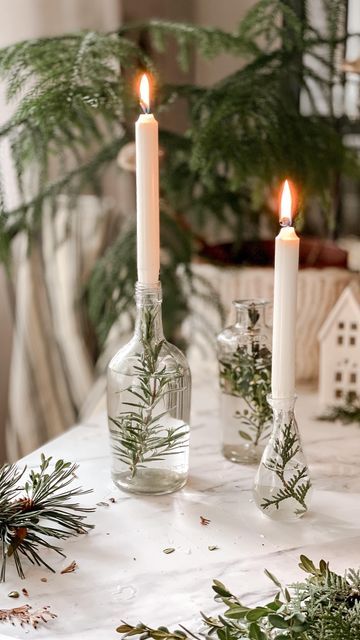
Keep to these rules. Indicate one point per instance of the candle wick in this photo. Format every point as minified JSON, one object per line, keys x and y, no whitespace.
{"x":285,"y":222}
{"x":144,"y":107}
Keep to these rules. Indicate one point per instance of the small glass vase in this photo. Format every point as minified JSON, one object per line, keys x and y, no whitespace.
{"x":282,"y":488}
{"x":245,"y":376}
{"x":148,"y":395}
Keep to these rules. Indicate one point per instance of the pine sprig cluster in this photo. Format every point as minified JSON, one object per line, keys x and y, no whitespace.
{"x":41,"y":509}
{"x":325,"y":605}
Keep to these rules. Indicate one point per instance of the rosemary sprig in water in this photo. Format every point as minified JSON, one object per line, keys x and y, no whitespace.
{"x":286,"y":446}
{"x":139,"y":434}
{"x":247,"y":375}
{"x":41,"y":509}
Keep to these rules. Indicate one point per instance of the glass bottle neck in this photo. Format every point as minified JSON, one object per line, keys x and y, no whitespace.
{"x":250,"y":315}
{"x":283,"y":408}
{"x":148,"y":323}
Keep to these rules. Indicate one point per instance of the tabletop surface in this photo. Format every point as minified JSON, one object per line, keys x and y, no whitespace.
{"x":123,"y":572}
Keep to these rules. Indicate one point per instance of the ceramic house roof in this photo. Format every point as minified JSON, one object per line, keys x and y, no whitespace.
{"x":351,"y":294}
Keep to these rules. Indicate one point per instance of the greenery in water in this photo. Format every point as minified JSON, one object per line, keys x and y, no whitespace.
{"x":286,"y":447}
{"x":247,"y":375}
{"x":38,"y":510}
{"x":139,"y":434}
{"x":74,"y":110}
{"x":326,"y":606}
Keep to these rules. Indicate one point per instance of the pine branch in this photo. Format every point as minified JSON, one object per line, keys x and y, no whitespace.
{"x":41,"y":509}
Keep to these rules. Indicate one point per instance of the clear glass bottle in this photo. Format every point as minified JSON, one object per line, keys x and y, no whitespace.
{"x":148,"y":394}
{"x":282,"y":486}
{"x":244,"y":357}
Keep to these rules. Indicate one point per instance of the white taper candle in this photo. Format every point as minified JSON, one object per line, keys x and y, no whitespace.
{"x":285,"y":296}
{"x":147,"y":192}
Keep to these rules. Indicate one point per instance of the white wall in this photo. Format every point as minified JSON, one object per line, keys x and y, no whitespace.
{"x":226,"y":15}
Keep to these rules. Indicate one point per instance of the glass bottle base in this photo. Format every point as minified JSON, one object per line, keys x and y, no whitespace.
{"x":155,"y":482}
{"x":290,"y":510}
{"x":243,"y":454}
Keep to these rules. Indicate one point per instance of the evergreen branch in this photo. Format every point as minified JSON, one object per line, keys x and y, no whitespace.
{"x":347,"y":413}
{"x":24,"y":215}
{"x":325,"y":605}
{"x":42,"y":509}
{"x":140,"y":434}
{"x":246,"y":374}
{"x":286,"y":446}
{"x":73,"y":97}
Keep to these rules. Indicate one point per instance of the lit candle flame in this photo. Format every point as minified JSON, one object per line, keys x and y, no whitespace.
{"x":145,"y":93}
{"x":286,"y":206}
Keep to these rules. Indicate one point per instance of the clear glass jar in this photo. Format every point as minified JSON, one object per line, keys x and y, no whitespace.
{"x":244,"y":357}
{"x":148,"y":394}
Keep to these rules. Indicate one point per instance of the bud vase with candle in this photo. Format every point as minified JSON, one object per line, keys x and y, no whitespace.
{"x":244,"y":374}
{"x":282,"y":484}
{"x":149,"y":382}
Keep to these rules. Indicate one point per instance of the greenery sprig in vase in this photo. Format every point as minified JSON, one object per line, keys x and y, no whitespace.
{"x":245,"y":376}
{"x":148,"y":391}
{"x":139,"y":435}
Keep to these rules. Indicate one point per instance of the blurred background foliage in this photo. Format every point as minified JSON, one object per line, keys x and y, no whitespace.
{"x":74,"y":111}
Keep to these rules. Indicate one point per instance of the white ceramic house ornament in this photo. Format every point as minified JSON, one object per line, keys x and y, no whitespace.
{"x":339,"y":337}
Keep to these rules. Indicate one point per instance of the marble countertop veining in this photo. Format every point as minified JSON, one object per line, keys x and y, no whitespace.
{"x":122,"y":570}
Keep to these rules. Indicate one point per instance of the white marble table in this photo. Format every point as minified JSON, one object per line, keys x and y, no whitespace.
{"x":122,"y":570}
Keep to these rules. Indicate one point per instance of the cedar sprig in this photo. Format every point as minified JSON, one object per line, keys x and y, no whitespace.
{"x":286,"y":447}
{"x":41,"y":509}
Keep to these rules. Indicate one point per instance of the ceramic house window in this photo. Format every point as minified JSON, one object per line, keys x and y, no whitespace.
{"x":352,"y":341}
{"x":338,"y":393}
{"x":353,"y":378}
{"x":338,"y":376}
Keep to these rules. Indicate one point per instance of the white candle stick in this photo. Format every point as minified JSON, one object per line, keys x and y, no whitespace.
{"x":285,"y":295}
{"x":147,"y":191}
